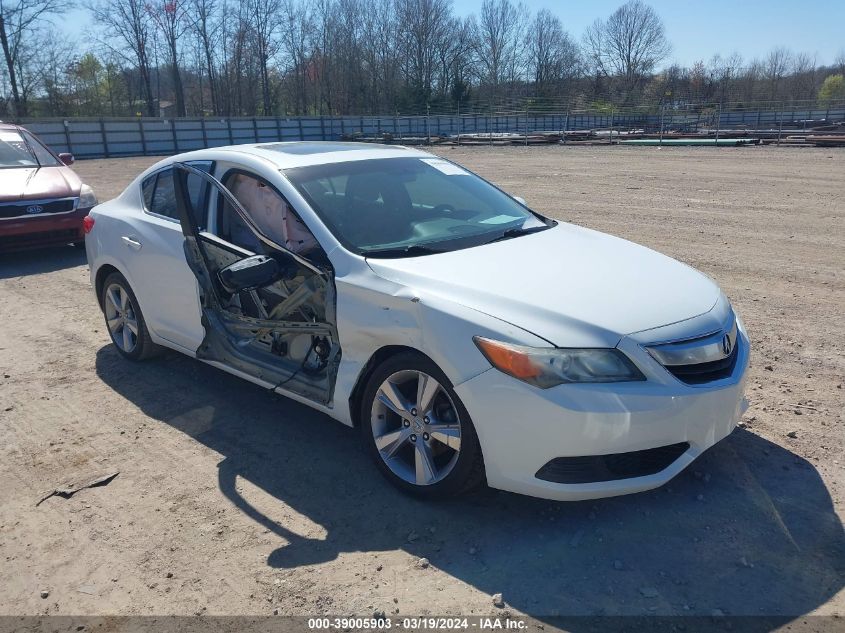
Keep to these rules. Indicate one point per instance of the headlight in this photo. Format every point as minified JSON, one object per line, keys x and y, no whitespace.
{"x":87,"y":199}
{"x":547,"y":367}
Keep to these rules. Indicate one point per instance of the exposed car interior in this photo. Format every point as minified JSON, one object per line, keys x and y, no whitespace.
{"x":270,"y":311}
{"x":270,"y":212}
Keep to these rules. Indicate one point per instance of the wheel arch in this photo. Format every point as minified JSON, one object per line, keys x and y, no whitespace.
{"x":100,"y":279}
{"x":473,"y":471}
{"x":377,"y":358}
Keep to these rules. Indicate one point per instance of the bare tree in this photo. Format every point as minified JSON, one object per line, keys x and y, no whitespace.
{"x":239,"y":64}
{"x":128,"y":22}
{"x":749,"y":81}
{"x":775,"y":68}
{"x":553,"y":55}
{"x":296,"y":33}
{"x":20,"y":20}
{"x":454,"y":59}
{"x":424,"y":37}
{"x":802,"y":77}
{"x":343,"y":57}
{"x":319,"y":66}
{"x":629,"y":44}
{"x":57,"y":89}
{"x":264,"y":23}
{"x":723,"y":74}
{"x":168,"y":16}
{"x":839,"y":62}
{"x":380,"y":52}
{"x":698,"y":80}
{"x":206,"y":24}
{"x":499,"y":41}
{"x":672,"y":83}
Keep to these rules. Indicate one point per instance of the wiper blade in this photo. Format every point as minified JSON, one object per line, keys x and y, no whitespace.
{"x":516,"y":232}
{"x":405,"y":251}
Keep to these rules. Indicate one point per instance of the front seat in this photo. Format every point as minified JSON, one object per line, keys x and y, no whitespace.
{"x":377,"y":211}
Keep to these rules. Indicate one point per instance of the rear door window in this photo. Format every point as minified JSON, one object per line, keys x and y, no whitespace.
{"x":164,"y":196}
{"x":147,"y":189}
{"x":160,"y":196}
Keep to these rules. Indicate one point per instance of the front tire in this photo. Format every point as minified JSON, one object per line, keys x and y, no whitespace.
{"x":125,"y":321}
{"x":417,"y":429}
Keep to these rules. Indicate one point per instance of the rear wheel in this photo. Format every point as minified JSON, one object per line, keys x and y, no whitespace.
{"x":124,"y":320}
{"x":418,"y":431}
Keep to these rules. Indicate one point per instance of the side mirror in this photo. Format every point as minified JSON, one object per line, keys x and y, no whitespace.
{"x":253,"y":272}
{"x":520,"y":200}
{"x":66,"y":158}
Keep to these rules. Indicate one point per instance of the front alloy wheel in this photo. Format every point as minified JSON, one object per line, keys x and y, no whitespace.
{"x":418,"y":430}
{"x":419,"y":435}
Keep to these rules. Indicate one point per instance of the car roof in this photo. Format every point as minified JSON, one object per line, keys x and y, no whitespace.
{"x":286,"y":155}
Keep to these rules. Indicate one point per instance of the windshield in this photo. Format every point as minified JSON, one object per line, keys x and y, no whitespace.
{"x":409,"y":206}
{"x":21,"y":149}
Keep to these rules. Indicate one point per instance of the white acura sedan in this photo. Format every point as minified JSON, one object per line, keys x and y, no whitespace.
{"x":469,"y":337}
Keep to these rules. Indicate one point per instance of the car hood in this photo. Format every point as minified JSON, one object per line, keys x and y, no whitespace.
{"x":36,"y":183}
{"x":569,"y":285}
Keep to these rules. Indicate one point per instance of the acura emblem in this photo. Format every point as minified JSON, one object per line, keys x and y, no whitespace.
{"x":727,"y":345}
{"x":34,"y":208}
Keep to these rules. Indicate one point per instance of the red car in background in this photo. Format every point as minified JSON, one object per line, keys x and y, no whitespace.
{"x":42,"y":200}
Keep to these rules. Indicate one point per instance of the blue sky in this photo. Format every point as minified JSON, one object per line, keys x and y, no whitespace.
{"x":697,"y":30}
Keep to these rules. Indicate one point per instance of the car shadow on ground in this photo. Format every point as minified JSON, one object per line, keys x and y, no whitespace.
{"x":748,"y":529}
{"x":40,"y":260}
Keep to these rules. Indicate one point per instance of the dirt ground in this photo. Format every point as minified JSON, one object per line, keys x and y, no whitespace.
{"x":233,"y":500}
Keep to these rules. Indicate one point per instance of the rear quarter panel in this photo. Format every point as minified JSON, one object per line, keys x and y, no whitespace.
{"x":103,"y":244}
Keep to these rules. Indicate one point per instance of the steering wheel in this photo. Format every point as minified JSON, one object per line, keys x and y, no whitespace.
{"x":443,"y":208}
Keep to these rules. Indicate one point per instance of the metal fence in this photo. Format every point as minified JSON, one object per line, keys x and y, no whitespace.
{"x":111,"y":137}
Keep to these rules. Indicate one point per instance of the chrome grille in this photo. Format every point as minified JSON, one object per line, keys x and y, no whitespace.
{"x":702,"y":359}
{"x":703,"y":373}
{"x":35,"y":208}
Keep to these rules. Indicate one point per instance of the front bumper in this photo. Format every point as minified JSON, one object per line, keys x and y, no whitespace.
{"x":522,"y":428}
{"x":42,"y":230}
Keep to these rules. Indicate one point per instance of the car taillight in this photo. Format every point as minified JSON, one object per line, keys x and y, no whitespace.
{"x":87,"y":224}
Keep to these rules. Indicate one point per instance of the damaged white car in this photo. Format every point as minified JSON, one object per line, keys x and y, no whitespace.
{"x":469,"y":337}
